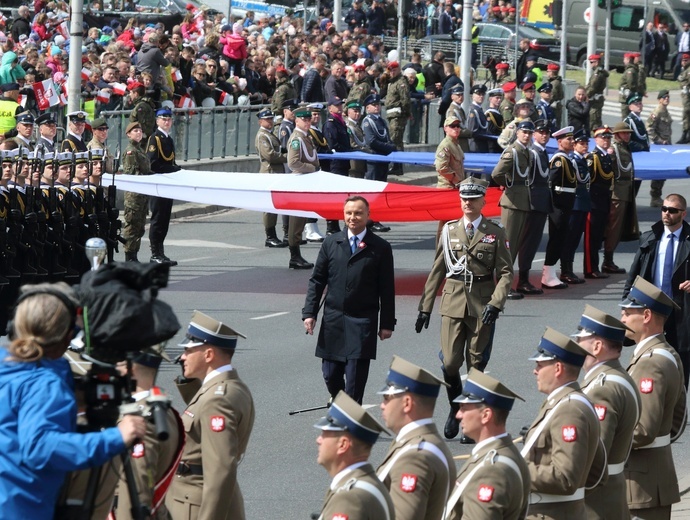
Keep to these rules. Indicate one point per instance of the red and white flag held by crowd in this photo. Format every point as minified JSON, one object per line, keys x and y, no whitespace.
{"x":63,"y":29}
{"x":186,"y":102}
{"x":224,"y":98}
{"x":103,"y":96}
{"x":85,"y":73}
{"x":119,"y":89}
{"x":21,"y":99}
{"x":46,"y":94}
{"x":177,"y":76}
{"x":63,"y":95}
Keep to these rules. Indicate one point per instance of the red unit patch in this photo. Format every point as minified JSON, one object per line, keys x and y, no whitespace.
{"x":601,"y":411}
{"x":569,"y":433}
{"x":138,"y":450}
{"x":647,"y":386}
{"x":485,"y":493}
{"x":408,"y":483}
{"x":217,"y":423}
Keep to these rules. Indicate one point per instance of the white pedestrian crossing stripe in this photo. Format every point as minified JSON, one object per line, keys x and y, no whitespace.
{"x":612,"y":108}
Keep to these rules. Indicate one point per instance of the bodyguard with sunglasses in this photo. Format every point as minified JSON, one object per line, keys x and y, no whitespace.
{"x":664,"y":260}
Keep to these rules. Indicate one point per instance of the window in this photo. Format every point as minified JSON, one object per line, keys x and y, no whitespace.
{"x":627,"y":18}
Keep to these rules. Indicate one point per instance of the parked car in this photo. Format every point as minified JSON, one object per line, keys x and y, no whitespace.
{"x":494,"y":40}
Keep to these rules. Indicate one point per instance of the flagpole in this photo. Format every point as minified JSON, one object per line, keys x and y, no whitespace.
{"x":76,"y":32}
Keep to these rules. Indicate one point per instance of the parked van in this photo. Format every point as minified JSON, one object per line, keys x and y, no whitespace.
{"x":628,"y":20}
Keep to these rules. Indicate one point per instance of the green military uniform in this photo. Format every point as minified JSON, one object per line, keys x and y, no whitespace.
{"x":622,"y":222}
{"x":357,"y":143}
{"x":349,"y":498}
{"x":302,"y":157}
{"x":135,"y":161}
{"x":557,"y":97}
{"x":595,"y":93}
{"x":641,"y":80}
{"x":449,"y":163}
{"x":684,"y":79}
{"x":359,"y":91}
{"x":218,"y":422}
{"x":144,"y":113}
{"x":272,"y":160}
{"x":284,"y":90}
{"x":659,"y":125}
{"x":455,"y":110}
{"x":506,"y":107}
{"x":629,"y":83}
{"x":398,"y":109}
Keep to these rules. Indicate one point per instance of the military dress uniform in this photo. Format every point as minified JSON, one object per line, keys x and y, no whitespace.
{"x":377,"y":138}
{"x":455,"y":110}
{"x":302,"y":157}
{"x":595,"y":93}
{"x":513,"y":172}
{"x":557,"y":97}
{"x":628,"y":87}
{"x":478,"y":124}
{"x":272,"y":160}
{"x":659,"y":130}
{"x":600,"y":165}
{"x":657,"y":371}
{"x":496,"y":125}
{"x":73,"y":143}
{"x":398,"y":110}
{"x":217,"y":422}
{"x":357,"y":143}
{"x":135,"y":161}
{"x":360,"y":91}
{"x":545,"y":112}
{"x":639,"y":140}
{"x":449,"y":163}
{"x":506,"y":108}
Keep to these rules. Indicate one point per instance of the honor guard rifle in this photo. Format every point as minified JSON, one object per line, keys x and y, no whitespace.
{"x":6,"y":252}
{"x":24,"y":261}
{"x":90,"y":216}
{"x":56,"y":228}
{"x":32,"y":232}
{"x":113,"y":213}
{"x":101,"y":208}
{"x":72,"y":225}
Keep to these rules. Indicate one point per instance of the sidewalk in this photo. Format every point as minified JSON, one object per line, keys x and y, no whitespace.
{"x":681,"y":511}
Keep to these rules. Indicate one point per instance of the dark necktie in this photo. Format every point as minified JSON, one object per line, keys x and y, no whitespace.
{"x":470,"y":231}
{"x":353,"y":247}
{"x":668,"y":267}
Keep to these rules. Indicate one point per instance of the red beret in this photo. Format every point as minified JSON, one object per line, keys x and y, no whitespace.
{"x":593,"y":57}
{"x":553,"y":66}
{"x":509,"y":86}
{"x":282,"y":69}
{"x":496,"y":9}
{"x":527,"y":86}
{"x":502,"y":66}
{"x":359,"y":67}
{"x":135,"y":84}
{"x":686,"y":56}
{"x":393,"y":65}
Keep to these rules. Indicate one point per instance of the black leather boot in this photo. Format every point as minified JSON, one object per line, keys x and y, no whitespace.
{"x":568,"y":275}
{"x":608,"y":266}
{"x":296,"y":260}
{"x":524,"y":287}
{"x":272,"y":239}
{"x":158,"y":255}
{"x":454,"y":389}
{"x":131,"y":257}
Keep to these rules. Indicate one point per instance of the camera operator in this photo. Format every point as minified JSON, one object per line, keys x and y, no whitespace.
{"x":37,"y":381}
{"x":153,"y":459}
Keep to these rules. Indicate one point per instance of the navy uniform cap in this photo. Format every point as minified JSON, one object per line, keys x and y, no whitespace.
{"x":580,"y":136}
{"x":458,"y":89}
{"x":64,"y":158}
{"x":315,"y":107}
{"x":97,"y":154}
{"x":6,"y":87}
{"x":645,"y":295}
{"x":9,"y":155}
{"x":527,"y":125}
{"x":46,"y":119}
{"x":478,"y":89}
{"x":265,"y":114}
{"x":495,"y":92}
{"x":78,"y":116}
{"x":372,"y":99}
{"x":334,"y":101}
{"x":26,"y":118}
{"x":204,"y":330}
{"x":164,"y":112}
{"x":404,"y":376}
{"x":290,"y":103}
{"x":566,"y":131}
{"x":557,"y":346}
{"x":473,"y":188}
{"x":542,"y":125}
{"x":152,"y":356}
{"x":345,"y":415}
{"x":481,"y":388}
{"x":81,"y":157}
{"x":546,"y":87}
{"x":597,"y":323}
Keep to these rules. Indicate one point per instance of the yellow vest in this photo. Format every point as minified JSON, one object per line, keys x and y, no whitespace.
{"x":7,"y":111}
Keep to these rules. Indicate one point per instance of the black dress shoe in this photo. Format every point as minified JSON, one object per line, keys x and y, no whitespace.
{"x":299,"y":263}
{"x":452,"y":426}
{"x":514,"y":295}
{"x":377,"y":226}
{"x":559,"y":286}
{"x":571,"y":279}
{"x":528,"y":288}
{"x":596,"y":275}
{"x":275,"y":242}
{"x":162,"y":259}
{"x":464,"y":439}
{"x":610,"y":267}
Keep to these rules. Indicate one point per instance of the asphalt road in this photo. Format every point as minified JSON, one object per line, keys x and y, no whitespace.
{"x":226,"y":272}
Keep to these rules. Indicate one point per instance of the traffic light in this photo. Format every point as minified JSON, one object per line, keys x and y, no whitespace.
{"x":602,"y":4}
{"x":614,"y":4}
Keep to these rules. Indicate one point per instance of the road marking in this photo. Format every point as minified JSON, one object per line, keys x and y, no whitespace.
{"x":194,"y":259}
{"x":204,"y":243}
{"x":269,"y":315}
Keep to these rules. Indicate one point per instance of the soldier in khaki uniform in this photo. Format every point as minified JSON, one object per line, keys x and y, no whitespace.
{"x":513,"y":173}
{"x":135,"y":161}
{"x":348,"y":433}
{"x":457,"y":95}
{"x":508,"y":103}
{"x":557,"y":92}
{"x":397,"y":109}
{"x":595,"y":91}
{"x":659,"y":131}
{"x":641,"y":75}
{"x":623,"y":213}
{"x":617,"y":403}
{"x":418,"y":470}
{"x":218,"y":421}
{"x":684,"y":80}
{"x":495,"y":481}
{"x":100,"y":134}
{"x":629,"y":82}
{"x":658,"y":374}
{"x":284,"y":90}
{"x":357,"y":139}
{"x":522,"y":111}
{"x":362,"y":88}
{"x":144,"y":111}
{"x":450,"y":158}
{"x":272,"y":160}
{"x":473,"y":258}
{"x":562,"y":446}
{"x":302,"y":157}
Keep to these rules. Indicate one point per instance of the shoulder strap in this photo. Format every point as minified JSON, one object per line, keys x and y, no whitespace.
{"x":376,"y":493}
{"x":666,"y":354}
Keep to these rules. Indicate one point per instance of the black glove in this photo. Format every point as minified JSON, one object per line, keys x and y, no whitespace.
{"x":490,"y":314}
{"x":422,"y":321}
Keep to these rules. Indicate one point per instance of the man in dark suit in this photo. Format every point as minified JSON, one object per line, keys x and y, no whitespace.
{"x":357,"y":267}
{"x":661,"y":51}
{"x":651,"y":263}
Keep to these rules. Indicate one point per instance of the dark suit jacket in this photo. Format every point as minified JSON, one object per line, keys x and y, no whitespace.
{"x":359,"y":286}
{"x":677,"y":326}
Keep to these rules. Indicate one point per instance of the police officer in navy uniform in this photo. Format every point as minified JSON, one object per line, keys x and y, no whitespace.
{"x":47,"y":128}
{"x":74,"y":141}
{"x":161,"y":152}
{"x":600,"y":165}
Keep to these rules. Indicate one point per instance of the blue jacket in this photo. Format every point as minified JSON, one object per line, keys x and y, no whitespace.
{"x":38,"y":443}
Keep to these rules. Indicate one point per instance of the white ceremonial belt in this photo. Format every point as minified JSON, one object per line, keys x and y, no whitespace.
{"x":563,"y":189}
{"x":659,"y":442}
{"x":616,"y":469}
{"x":545,"y":498}
{"x":396,"y":110}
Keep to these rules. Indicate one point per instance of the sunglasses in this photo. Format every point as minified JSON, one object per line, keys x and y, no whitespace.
{"x":670,"y":209}
{"x":454,"y":125}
